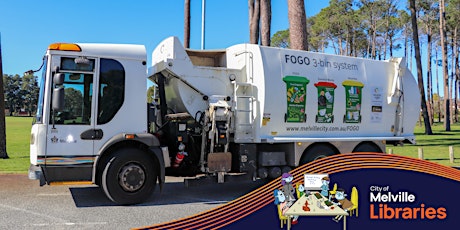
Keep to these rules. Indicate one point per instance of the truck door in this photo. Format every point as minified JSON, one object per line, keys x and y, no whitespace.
{"x":71,"y":133}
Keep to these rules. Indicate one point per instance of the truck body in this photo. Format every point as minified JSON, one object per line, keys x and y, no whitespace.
{"x":248,"y":109}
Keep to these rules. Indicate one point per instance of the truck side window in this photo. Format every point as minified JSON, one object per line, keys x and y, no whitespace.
{"x":111,"y":90}
{"x":77,"y":100}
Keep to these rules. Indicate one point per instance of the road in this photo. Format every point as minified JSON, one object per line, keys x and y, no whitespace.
{"x":26,"y":205}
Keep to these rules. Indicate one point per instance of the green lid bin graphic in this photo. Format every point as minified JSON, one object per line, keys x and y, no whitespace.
{"x":296,"y":92}
{"x":353,"y":94}
{"x":325,"y":102}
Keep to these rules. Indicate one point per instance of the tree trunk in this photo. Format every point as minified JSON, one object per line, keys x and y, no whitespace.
{"x":457,"y":75}
{"x":374,"y":44}
{"x":254,"y":18}
{"x":391,"y":46}
{"x":442,"y":30}
{"x":428,"y":75}
{"x":418,"y":60}
{"x":3,"y":153}
{"x":411,"y":50}
{"x":437,"y":88}
{"x":452,"y":84}
{"x":265,"y":21}
{"x":187,"y":23}
{"x":297,"y":25}
{"x":406,"y":43}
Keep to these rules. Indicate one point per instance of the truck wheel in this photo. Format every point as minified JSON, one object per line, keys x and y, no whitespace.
{"x":367,"y":147}
{"x":316,"y":152}
{"x":129,"y":177}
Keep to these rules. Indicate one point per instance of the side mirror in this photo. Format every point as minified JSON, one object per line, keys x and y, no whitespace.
{"x":58,"y":78}
{"x":58,"y":99}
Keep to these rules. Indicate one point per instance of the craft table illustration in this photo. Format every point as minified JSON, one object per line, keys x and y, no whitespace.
{"x":317,"y":205}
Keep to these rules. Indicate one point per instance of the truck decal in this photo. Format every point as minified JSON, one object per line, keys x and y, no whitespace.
{"x":376,"y":104}
{"x":296,"y":96}
{"x":314,"y":128}
{"x":325,"y":102}
{"x":353,"y":93}
{"x":66,"y":160}
{"x":319,"y":63}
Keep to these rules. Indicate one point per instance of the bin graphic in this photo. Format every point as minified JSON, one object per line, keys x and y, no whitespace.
{"x":353,"y":94}
{"x":325,"y":102}
{"x":296,"y":93}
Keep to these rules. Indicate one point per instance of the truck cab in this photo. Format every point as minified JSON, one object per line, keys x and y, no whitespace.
{"x":92,"y":106}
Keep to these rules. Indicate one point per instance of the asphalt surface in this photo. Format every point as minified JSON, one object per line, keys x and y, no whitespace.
{"x":26,"y":205}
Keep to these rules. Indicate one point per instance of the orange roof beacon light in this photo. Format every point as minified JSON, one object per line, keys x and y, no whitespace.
{"x":130,"y":136}
{"x":64,"y":47}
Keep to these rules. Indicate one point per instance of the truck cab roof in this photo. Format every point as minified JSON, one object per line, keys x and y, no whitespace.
{"x":115,"y":51}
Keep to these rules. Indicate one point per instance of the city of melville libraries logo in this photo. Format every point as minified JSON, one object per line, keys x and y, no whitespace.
{"x":382,"y":207}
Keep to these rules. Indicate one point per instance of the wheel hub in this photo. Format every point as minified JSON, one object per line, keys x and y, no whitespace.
{"x":131,"y":177}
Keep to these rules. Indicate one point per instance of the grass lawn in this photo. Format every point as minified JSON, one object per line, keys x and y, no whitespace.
{"x":435,"y":147}
{"x":17,"y":145}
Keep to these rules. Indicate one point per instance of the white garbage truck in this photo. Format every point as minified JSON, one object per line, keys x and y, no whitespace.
{"x":247,"y":110}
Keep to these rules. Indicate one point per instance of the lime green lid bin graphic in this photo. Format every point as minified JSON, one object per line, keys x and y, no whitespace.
{"x":325,"y":102}
{"x":353,"y":95}
{"x":296,"y":92}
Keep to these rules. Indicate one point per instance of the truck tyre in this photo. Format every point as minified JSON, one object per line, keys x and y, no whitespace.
{"x":367,"y":147}
{"x":317,"y":151}
{"x":129,"y":177}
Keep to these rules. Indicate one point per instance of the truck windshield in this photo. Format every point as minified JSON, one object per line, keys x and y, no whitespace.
{"x":42,"y":80}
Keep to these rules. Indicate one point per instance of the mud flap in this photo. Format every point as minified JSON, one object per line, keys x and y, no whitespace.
{"x":220,"y":163}
{"x":161,"y":163}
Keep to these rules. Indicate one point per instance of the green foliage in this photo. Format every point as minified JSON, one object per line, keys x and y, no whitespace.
{"x":150,"y":94}
{"x":281,"y":39}
{"x":21,"y":93}
{"x":361,"y":28}
{"x":73,"y":101}
{"x":452,"y":15}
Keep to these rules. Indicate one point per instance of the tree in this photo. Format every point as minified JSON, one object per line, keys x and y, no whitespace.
{"x":254,"y":18}
{"x":30,"y":93}
{"x":265,"y":21}
{"x":73,"y":101}
{"x":280,"y":39}
{"x":187,"y":23}
{"x":418,"y":60}
{"x":392,"y":27}
{"x":3,"y":153}
{"x":452,"y":14}
{"x":372,"y":12}
{"x":406,"y":33}
{"x":260,"y":16}
{"x":13,"y":93}
{"x":428,"y":14}
{"x":297,"y":25}
{"x":442,"y":32}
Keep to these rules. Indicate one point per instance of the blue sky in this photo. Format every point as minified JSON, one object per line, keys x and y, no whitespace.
{"x":27,"y":27}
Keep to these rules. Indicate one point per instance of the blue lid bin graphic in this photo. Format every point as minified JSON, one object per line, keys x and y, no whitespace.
{"x":353,"y":95}
{"x":296,"y":94}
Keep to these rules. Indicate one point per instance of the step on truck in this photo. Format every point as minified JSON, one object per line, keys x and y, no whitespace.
{"x":246,"y":110}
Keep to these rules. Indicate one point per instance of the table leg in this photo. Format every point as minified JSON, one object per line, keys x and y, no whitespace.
{"x":289,"y":222}
{"x":344,"y":222}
